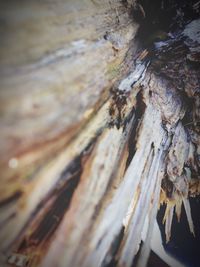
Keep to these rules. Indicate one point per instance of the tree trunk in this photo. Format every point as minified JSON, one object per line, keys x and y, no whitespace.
{"x":99,"y":127}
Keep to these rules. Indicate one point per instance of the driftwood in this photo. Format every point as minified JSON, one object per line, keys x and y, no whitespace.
{"x":95,"y":133}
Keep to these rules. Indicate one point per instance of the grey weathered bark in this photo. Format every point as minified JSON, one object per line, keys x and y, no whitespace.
{"x":91,"y":133}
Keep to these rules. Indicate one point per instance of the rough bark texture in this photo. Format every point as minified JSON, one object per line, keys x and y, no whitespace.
{"x":96,"y":131}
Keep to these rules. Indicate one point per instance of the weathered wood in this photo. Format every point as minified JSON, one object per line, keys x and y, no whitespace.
{"x":93,"y":128}
{"x":63,"y":60}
